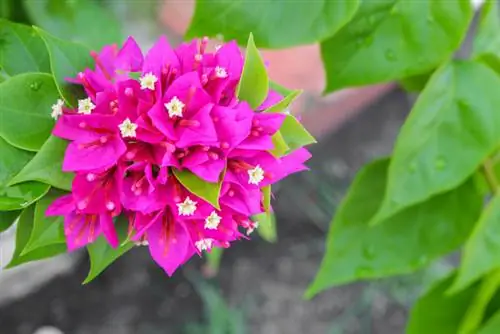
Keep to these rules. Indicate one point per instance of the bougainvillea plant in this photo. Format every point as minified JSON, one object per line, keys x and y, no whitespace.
{"x":175,"y":149}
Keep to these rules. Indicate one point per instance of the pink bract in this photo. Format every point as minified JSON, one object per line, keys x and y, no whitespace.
{"x":128,"y":134}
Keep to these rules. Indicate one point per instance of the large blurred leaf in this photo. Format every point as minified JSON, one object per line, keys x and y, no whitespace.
{"x":21,"y":49}
{"x":437,"y":312}
{"x":46,"y":230}
{"x":254,"y":83}
{"x":492,"y":326}
{"x":449,"y":133}
{"x":275,"y":24}
{"x":82,"y":21}
{"x":403,"y":243}
{"x":67,"y":59}
{"x":7,"y":218}
{"x":208,"y":191}
{"x":393,"y":39}
{"x":26,"y":100}
{"x":46,"y":166}
{"x":24,"y":228}
{"x":102,"y":254}
{"x":487,"y":39}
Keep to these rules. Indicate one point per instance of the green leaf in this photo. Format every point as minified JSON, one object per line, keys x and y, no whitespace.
{"x":21,"y":49}
{"x":449,"y":133}
{"x":487,"y":38}
{"x":394,"y":39}
{"x":275,"y":24}
{"x":266,"y":192}
{"x":208,"y":191}
{"x":102,"y":254}
{"x":267,"y":226}
{"x":21,"y":195}
{"x":24,"y":228}
{"x":5,"y":9}
{"x":481,"y":253}
{"x":46,"y":230}
{"x":67,"y":59}
{"x":403,"y":243}
{"x":280,"y":89}
{"x":437,"y":312}
{"x":254,"y":83}
{"x":214,"y":258}
{"x":491,"y":326}
{"x":25,"y":109}
{"x":7,"y":218}
{"x":295,"y":134}
{"x":12,"y":160}
{"x":285,"y":103}
{"x":416,"y":83}
{"x":46,"y":166}
{"x":82,"y":21}
{"x":280,"y":145}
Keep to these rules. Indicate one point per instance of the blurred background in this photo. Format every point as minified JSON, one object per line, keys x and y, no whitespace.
{"x":259,"y":286}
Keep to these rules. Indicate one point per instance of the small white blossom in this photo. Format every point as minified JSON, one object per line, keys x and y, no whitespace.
{"x":255,"y":175}
{"x":252,"y":228}
{"x":85,"y":106}
{"x":128,"y":129}
{"x":220,"y":72}
{"x":175,"y":107}
{"x":212,"y":221}
{"x":204,"y":244}
{"x":187,"y":208}
{"x":148,"y":81}
{"x":57,"y":109}
{"x":142,"y":243}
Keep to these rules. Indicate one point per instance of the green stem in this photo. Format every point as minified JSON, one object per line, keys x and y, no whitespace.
{"x":489,"y":173}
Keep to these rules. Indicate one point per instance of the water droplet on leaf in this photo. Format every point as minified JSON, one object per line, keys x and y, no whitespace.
{"x":390,"y":55}
{"x":35,"y":85}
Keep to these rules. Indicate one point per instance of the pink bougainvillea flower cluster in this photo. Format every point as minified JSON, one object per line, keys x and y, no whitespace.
{"x":179,"y":112}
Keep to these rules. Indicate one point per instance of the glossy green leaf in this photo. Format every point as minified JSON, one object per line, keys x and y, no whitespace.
{"x":46,"y":230}
{"x":208,"y":191}
{"x":280,"y":89}
{"x":82,"y":21}
{"x":403,"y":243}
{"x":275,"y":24}
{"x":449,"y":133}
{"x":267,"y":226}
{"x":214,"y":257}
{"x":280,"y":145}
{"x":481,"y":253}
{"x":492,"y":326}
{"x":487,"y":39}
{"x":21,"y":49}
{"x":24,"y":228}
{"x":254,"y":83}
{"x":7,"y":218}
{"x":295,"y":134}
{"x":46,"y":166}
{"x":285,"y":103}
{"x":437,"y":312}
{"x":102,"y":254}
{"x":416,"y":83}
{"x":21,"y":195}
{"x":12,"y":160}
{"x":25,"y":109}
{"x":67,"y":59}
{"x":394,"y":39}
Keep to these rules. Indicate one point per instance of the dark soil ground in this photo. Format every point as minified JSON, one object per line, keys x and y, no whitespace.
{"x":264,"y":281}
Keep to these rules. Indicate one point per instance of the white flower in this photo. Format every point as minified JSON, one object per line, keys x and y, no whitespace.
{"x":255,"y":175}
{"x":212,"y":221}
{"x":252,"y":228}
{"x":174,"y":107}
{"x":148,"y":81}
{"x":204,"y":244}
{"x":187,"y":208}
{"x":57,"y":109}
{"x":128,"y":129}
{"x":220,"y":72}
{"x":85,"y":106}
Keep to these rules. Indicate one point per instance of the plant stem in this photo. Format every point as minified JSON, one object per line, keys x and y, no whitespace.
{"x":489,"y":173}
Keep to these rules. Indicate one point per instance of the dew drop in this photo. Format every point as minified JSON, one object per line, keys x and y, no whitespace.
{"x":390,"y":55}
{"x":440,"y":163}
{"x":369,"y":252}
{"x":35,"y":85}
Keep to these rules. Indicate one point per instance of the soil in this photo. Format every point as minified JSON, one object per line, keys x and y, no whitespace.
{"x":265,"y":281}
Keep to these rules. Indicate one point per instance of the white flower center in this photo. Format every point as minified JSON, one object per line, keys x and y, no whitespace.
{"x":57,"y":109}
{"x":204,"y":244}
{"x":85,"y":106}
{"x":175,"y":107}
{"x":220,"y":72}
{"x":148,"y":81}
{"x":128,"y":129}
{"x":187,"y":208}
{"x":212,"y":221}
{"x":255,"y":175}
